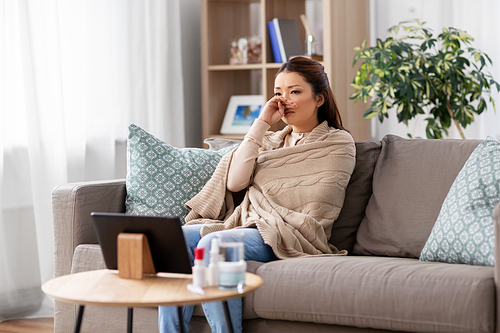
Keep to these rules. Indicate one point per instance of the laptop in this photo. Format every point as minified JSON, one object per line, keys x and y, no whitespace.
{"x":164,"y":234}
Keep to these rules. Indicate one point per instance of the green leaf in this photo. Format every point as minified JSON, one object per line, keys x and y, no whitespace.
{"x":355,"y":95}
{"x":391,"y":92}
{"x":405,"y":68}
{"x":400,"y":108}
{"x":369,"y":114}
{"x":356,"y":86}
{"x":481,"y":106}
{"x":371,"y":92}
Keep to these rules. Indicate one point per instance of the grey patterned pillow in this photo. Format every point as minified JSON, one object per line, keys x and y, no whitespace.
{"x":464,"y":230}
{"x":162,"y":178}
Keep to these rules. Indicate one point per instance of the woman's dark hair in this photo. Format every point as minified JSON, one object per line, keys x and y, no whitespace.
{"x":314,"y":74}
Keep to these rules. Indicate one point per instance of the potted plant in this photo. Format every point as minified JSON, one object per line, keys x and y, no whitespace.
{"x":442,"y":77}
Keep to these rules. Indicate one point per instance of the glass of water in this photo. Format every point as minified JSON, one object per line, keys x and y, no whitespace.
{"x":232,"y":265}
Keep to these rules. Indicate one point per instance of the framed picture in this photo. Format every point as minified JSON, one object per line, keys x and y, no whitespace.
{"x":241,"y":111}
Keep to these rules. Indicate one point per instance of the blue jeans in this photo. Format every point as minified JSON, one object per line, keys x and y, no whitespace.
{"x":255,"y":249}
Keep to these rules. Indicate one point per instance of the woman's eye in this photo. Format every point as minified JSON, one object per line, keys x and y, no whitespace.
{"x":277,"y":94}
{"x":295,"y":92}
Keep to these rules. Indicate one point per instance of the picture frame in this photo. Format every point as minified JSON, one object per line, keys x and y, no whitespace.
{"x":241,"y":112}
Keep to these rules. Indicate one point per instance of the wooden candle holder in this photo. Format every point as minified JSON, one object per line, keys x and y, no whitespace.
{"x":134,"y":256}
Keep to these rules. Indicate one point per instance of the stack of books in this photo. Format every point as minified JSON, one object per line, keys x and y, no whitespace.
{"x":285,"y":39}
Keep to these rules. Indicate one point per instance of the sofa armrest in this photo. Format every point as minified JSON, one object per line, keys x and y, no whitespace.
{"x":496,"y":220}
{"x":71,"y":206}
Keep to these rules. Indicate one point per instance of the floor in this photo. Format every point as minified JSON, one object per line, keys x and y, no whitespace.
{"x":42,"y":325}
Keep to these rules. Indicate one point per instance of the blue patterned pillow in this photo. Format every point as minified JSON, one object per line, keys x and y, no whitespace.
{"x":162,"y":178}
{"x":464,"y":230}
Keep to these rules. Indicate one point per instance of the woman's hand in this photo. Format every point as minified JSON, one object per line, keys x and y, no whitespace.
{"x":274,"y":109}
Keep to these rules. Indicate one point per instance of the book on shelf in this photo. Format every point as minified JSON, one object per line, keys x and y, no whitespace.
{"x":286,"y":40}
{"x":274,"y":42}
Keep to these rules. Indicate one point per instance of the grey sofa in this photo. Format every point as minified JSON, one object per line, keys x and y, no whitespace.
{"x":392,"y":202}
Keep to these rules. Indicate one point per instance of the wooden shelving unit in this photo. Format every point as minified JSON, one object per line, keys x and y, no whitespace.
{"x":225,"y":20}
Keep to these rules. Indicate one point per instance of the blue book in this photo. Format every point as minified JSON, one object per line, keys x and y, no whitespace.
{"x":274,"y":42}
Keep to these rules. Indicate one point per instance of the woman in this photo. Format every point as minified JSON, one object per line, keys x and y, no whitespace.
{"x":295,"y":182}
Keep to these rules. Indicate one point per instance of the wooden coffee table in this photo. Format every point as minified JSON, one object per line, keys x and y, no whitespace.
{"x":106,"y":288}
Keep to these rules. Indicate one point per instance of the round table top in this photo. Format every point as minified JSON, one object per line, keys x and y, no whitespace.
{"x":106,"y":288}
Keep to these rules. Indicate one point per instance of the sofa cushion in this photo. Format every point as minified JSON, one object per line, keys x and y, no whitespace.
{"x":410,"y":182}
{"x":162,"y":178}
{"x":464,"y":231}
{"x":219,"y":143}
{"x":357,"y":194}
{"x":87,"y":257}
{"x":379,"y":292}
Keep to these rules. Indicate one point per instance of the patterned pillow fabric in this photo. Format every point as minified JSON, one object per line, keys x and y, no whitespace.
{"x":161,"y":178}
{"x":464,"y":230}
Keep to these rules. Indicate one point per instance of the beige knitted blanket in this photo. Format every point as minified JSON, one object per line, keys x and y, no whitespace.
{"x":294,"y":198}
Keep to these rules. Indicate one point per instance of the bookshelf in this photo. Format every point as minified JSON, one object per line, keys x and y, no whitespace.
{"x":224,"y":20}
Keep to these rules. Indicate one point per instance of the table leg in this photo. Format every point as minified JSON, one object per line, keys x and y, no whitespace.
{"x":228,"y":317}
{"x":181,"y":319}
{"x":79,"y":318}
{"x":130,"y":319}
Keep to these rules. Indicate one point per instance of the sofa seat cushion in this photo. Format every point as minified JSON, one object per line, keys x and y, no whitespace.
{"x":378,"y":292}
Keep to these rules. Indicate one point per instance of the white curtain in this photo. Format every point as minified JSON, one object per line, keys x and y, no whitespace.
{"x":73,"y":75}
{"x":479,"y":18}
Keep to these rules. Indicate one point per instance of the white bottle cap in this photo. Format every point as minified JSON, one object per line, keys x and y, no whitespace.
{"x":215,"y":246}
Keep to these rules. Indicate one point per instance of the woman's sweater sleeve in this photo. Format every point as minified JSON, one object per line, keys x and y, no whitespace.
{"x":243,"y":160}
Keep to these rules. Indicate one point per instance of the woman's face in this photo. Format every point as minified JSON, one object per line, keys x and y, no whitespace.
{"x":292,"y":86}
